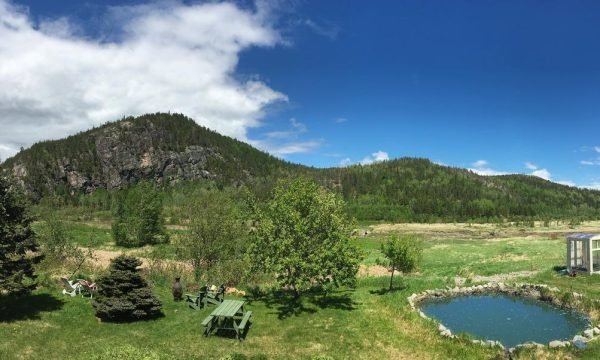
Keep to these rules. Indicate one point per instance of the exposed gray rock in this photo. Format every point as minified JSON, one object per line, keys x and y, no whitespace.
{"x":589,"y":333}
{"x":579,"y":342}
{"x":558,"y":344}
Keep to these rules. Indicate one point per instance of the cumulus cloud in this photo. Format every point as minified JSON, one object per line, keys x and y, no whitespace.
{"x":542,"y":173}
{"x":346,"y":162}
{"x":377,"y":156}
{"x":566,"y":182}
{"x":178,"y":58}
{"x":482,"y":167}
{"x":531,"y":166}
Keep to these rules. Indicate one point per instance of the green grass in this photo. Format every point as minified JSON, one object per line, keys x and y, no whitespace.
{"x":363,"y":323}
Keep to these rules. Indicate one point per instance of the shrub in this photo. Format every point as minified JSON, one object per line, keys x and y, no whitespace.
{"x":138,"y":217}
{"x":123,"y":295}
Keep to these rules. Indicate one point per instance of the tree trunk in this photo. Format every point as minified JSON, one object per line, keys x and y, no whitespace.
{"x":392,"y":278}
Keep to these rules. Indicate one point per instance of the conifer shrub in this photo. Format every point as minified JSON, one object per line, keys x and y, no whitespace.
{"x":124,"y":295}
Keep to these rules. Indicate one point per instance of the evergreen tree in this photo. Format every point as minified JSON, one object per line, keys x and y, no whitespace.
{"x":18,"y":246}
{"x":123,"y":294}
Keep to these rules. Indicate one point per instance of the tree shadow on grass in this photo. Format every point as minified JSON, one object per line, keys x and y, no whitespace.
{"x":28,"y":307}
{"x":286,"y":305}
{"x":386,"y":290}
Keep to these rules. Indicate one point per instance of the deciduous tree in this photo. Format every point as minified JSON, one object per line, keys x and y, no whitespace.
{"x":401,"y":253}
{"x":302,"y":236}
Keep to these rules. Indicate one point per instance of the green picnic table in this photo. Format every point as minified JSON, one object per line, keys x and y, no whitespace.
{"x":229,"y":315}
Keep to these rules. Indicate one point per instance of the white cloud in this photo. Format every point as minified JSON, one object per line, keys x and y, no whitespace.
{"x":346,"y":162}
{"x":480,"y":163}
{"x":597,"y":149}
{"x":173,"y":57}
{"x":296,"y":147}
{"x":566,"y":182}
{"x":377,"y":156}
{"x":341,"y":120}
{"x":542,"y":173}
{"x":593,"y":186}
{"x":531,"y":166}
{"x":330,"y":31}
{"x":481,"y":167}
{"x":287,"y":142}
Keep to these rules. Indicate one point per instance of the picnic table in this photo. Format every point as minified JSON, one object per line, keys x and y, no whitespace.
{"x":229,"y":315}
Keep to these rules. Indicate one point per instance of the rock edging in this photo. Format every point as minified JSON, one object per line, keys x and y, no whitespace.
{"x":533,"y":291}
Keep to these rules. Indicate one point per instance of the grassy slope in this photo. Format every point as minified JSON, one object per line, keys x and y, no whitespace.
{"x":363,"y":323}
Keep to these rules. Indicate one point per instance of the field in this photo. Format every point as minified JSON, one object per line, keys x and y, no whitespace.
{"x":366,"y":322}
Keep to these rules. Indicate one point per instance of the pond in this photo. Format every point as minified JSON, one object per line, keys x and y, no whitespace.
{"x":507,"y":319}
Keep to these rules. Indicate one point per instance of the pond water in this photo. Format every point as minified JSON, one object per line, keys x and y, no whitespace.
{"x":510,"y":320}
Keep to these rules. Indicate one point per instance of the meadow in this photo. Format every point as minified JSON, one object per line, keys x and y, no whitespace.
{"x":364,"y":322}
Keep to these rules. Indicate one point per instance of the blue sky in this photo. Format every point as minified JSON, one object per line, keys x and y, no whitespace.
{"x":496,"y":86}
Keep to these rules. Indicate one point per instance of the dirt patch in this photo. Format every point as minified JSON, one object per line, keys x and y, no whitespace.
{"x":372,"y":271}
{"x":495,"y":278}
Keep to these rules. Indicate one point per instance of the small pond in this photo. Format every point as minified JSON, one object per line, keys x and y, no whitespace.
{"x":510,"y":320}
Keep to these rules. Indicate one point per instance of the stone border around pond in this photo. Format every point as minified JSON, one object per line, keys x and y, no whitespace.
{"x":533,"y":291}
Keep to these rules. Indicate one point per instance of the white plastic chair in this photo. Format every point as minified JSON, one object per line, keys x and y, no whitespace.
{"x":85,"y":285}
{"x":72,"y":288}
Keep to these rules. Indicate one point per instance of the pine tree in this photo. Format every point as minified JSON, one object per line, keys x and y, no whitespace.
{"x":124,"y":295}
{"x":18,"y":246}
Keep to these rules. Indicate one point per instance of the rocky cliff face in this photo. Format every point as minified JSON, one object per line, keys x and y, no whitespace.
{"x":136,"y":156}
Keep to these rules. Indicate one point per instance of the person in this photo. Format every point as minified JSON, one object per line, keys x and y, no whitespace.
{"x":177,"y":289}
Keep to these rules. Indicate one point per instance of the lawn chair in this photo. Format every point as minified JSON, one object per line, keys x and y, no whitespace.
{"x":197,"y":302}
{"x":72,"y":288}
{"x":88,"y":287}
{"x":215,"y":295}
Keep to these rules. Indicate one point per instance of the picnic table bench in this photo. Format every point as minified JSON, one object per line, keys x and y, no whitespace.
{"x":229,"y":315}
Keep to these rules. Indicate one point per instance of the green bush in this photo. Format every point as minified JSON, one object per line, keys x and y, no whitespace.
{"x":138,"y":217}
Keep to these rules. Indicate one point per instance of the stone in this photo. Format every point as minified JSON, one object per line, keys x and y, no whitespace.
{"x":442,"y":328}
{"x":556,"y":344}
{"x":447,"y":333}
{"x":589,"y":333}
{"x":579,"y":342}
{"x":597,"y":330}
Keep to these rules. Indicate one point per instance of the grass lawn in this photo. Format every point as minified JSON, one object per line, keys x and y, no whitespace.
{"x":362,"y":323}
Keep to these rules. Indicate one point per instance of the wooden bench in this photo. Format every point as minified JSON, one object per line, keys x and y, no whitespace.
{"x":239,"y":329}
{"x":207,"y":323}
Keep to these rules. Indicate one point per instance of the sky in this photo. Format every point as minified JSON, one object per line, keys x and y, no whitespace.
{"x":494,"y":86}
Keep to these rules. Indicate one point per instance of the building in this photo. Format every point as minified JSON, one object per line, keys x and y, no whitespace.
{"x":583,"y":253}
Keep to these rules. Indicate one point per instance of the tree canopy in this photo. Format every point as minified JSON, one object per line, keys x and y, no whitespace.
{"x":138,"y":217}
{"x":401,"y":253}
{"x":302,"y":235}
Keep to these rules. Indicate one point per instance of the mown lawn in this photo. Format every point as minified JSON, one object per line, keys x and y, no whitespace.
{"x":362,"y":323}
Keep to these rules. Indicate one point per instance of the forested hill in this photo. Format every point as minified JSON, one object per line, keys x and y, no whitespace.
{"x":171,"y":148}
{"x":165,"y":148}
{"x":418,"y":190}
